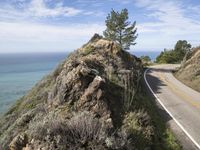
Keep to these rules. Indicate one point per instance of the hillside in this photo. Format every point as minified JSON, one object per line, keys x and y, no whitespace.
{"x":189,"y":73}
{"x":91,"y":101}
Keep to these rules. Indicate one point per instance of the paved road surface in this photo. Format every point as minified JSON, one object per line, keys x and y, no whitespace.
{"x":181,"y":103}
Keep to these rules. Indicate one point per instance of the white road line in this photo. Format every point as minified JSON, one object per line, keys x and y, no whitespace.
{"x":184,"y":130}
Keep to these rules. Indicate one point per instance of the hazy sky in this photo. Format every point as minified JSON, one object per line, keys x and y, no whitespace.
{"x":64,"y":25}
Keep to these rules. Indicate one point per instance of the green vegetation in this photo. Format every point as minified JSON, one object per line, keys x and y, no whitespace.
{"x":163,"y":138}
{"x":146,"y":60}
{"x":175,"y":55}
{"x":88,"y":49}
{"x":133,"y":123}
{"x":120,"y":30}
{"x":142,"y":119}
{"x":83,"y":129}
{"x":93,"y":100}
{"x":167,"y":56}
{"x":181,"y":49}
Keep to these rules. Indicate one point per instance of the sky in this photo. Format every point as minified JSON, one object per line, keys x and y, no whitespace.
{"x":65,"y":25}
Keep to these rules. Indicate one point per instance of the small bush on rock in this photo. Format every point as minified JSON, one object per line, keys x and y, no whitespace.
{"x":82,"y":130}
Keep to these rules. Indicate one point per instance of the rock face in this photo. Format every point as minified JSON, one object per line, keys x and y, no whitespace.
{"x":79,"y":105}
{"x":189,"y":73}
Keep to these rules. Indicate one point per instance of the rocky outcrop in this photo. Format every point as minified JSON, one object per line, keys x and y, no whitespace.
{"x":189,"y":72}
{"x":84,"y":99}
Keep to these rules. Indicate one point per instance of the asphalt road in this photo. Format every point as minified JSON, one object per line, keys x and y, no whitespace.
{"x":179,"y":101}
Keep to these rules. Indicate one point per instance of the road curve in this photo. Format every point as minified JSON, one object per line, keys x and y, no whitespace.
{"x":179,"y":101}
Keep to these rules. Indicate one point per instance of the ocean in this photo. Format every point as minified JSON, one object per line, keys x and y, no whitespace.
{"x":151,"y":54}
{"x":20,"y":72}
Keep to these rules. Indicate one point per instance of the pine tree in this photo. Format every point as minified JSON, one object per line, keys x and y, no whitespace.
{"x":120,"y":30}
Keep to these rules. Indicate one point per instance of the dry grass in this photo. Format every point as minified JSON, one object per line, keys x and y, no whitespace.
{"x":81,"y":131}
{"x":78,"y":132}
{"x":189,"y":73}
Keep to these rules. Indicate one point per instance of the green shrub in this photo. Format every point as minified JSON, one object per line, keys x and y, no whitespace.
{"x":162,"y":137}
{"x":176,"y":55}
{"x":138,"y":125}
{"x":82,"y":130}
{"x":167,"y":56}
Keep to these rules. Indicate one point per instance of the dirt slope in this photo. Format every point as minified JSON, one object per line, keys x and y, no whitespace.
{"x":189,"y":73}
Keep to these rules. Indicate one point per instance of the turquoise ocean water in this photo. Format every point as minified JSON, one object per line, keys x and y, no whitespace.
{"x":19,"y":72}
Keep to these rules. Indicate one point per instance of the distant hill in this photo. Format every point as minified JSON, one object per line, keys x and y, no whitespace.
{"x":189,"y":73}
